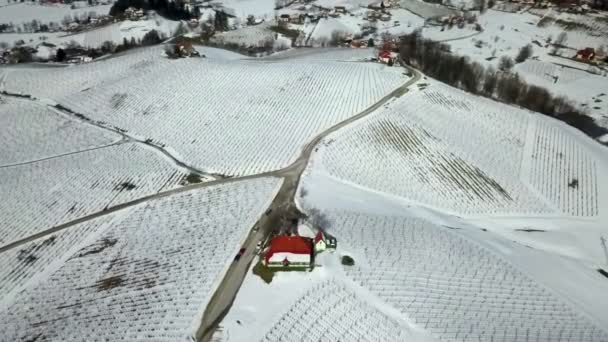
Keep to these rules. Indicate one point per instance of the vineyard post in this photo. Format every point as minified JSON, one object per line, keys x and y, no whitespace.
{"x":603,"y":240}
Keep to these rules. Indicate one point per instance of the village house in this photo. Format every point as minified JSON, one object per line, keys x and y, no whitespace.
{"x":323,"y":241}
{"x":289,"y":251}
{"x":586,"y":54}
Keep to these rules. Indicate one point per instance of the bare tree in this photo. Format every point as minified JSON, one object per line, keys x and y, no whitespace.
{"x":559,"y":42}
{"x":490,"y":81}
{"x":318,"y":219}
{"x":505,"y":63}
{"x":524,"y":53}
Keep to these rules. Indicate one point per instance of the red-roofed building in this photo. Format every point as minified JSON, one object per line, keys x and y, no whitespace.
{"x":587,"y":54}
{"x":289,"y":251}
{"x":319,"y":241}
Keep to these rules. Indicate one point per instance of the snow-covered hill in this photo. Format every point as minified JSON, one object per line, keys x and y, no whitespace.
{"x":234,"y":117}
{"x":145,"y":274}
{"x":469,"y":156}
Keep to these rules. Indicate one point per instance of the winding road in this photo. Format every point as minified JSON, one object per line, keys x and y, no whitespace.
{"x":225,"y":293}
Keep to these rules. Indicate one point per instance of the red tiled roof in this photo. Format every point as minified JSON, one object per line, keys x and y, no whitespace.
{"x":320,"y":236}
{"x":289,"y":244}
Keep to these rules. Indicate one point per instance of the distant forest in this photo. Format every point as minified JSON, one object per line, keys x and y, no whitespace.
{"x":174,"y":10}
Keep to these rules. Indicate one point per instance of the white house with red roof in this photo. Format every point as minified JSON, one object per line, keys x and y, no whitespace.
{"x":289,"y":251}
{"x":323,"y":241}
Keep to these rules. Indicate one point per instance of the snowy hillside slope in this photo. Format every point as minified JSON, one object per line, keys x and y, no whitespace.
{"x":468,"y":156}
{"x":31,"y":132}
{"x":590,"y":90}
{"x":504,"y":34}
{"x":57,"y":190}
{"x":23,"y":12}
{"x":230,"y":117}
{"x":31,"y":262}
{"x":72,"y":80}
{"x":456,"y":289}
{"x":332,"y":311}
{"x":148,"y":275}
{"x":117,"y":32}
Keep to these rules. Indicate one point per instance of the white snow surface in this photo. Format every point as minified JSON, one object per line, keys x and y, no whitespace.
{"x":450,"y":285}
{"x":32,"y":131}
{"x":468,"y":156}
{"x":32,"y":262}
{"x":57,"y":190}
{"x":22,"y":12}
{"x":230,"y":117}
{"x":504,"y":34}
{"x":119,"y":31}
{"x":147,"y":275}
{"x":244,"y":8}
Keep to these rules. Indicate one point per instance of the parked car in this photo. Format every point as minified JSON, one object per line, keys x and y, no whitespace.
{"x":240,"y":254}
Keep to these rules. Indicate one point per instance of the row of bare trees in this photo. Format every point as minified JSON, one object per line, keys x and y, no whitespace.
{"x":436,"y":60}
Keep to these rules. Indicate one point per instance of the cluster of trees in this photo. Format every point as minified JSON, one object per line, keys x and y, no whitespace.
{"x":152,"y":37}
{"x":263,"y":47}
{"x":170,"y":9}
{"x":436,"y":60}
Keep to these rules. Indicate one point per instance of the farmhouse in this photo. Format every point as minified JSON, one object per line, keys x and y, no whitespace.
{"x":289,"y":251}
{"x":586,"y":54}
{"x":324,"y":241}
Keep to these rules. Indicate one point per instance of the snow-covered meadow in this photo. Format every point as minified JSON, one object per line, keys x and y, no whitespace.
{"x":147,"y":274}
{"x":234,"y":117}
{"x":257,"y":35}
{"x":32,"y":261}
{"x":333,"y":311}
{"x":468,"y":156}
{"x":31,"y":131}
{"x":22,"y":12}
{"x":454,"y":287}
{"x":119,"y":31}
{"x":43,"y":194}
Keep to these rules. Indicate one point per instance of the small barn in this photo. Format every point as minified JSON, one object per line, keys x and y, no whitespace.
{"x":324,"y":241}
{"x":289,"y":251}
{"x":586,"y":54}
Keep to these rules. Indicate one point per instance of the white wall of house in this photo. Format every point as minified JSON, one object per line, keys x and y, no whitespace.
{"x":293,"y":258}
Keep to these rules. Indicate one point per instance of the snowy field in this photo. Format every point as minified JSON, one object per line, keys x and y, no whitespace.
{"x":325,"y":54}
{"x":331,"y":311}
{"x":455,"y":288}
{"x":589,"y":90}
{"x":345,"y":24}
{"x":32,"y":132}
{"x":504,"y":34}
{"x":19,"y":13}
{"x":117,"y":32}
{"x":34,"y":260}
{"x":148,"y":274}
{"x":509,"y":161}
{"x":257,"y":35}
{"x":209,"y":116}
{"x":243,"y":8}
{"x":58,"y":190}
{"x":424,"y":9}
